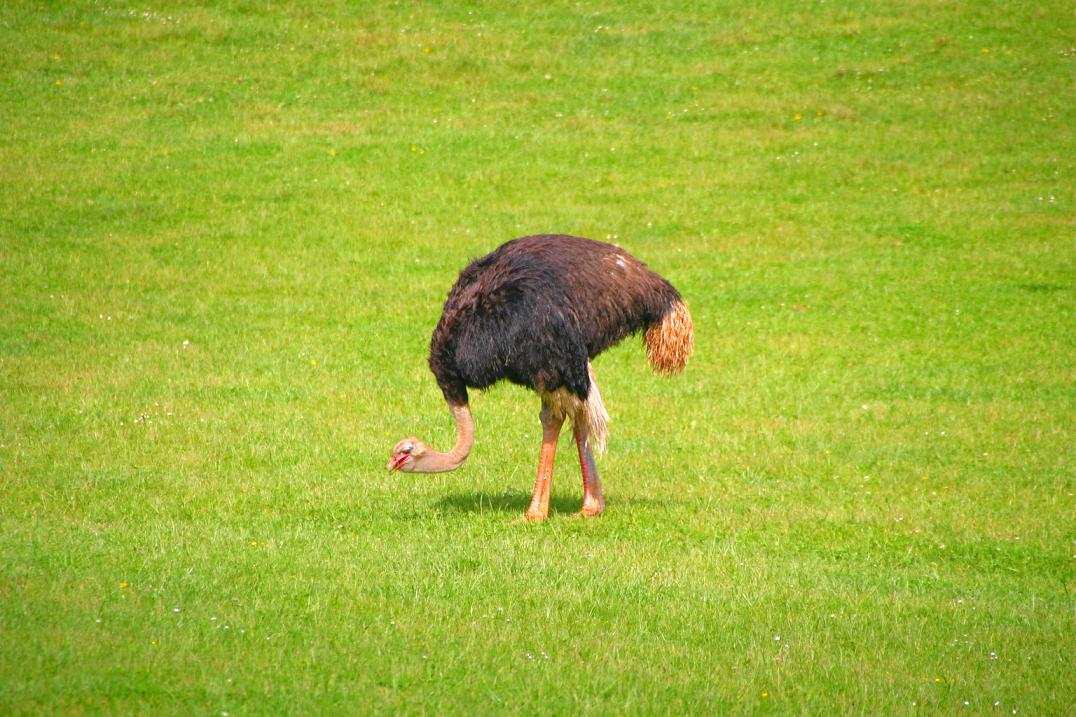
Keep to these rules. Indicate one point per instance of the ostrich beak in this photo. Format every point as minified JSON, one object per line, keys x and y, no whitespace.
{"x":398,"y":460}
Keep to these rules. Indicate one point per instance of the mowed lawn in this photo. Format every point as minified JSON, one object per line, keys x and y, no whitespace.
{"x":226,"y":233}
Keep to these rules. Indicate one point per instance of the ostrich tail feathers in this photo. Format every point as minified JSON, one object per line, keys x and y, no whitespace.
{"x":669,"y":343}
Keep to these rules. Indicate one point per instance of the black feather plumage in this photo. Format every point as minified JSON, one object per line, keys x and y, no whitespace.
{"x":536,"y":309}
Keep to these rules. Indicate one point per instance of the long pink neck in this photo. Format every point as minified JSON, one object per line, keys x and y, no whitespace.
{"x":438,"y":462}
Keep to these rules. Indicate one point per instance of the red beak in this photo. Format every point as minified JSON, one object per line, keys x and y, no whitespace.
{"x":398,"y":460}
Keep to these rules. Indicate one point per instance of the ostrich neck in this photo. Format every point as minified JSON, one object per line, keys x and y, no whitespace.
{"x":438,"y":462}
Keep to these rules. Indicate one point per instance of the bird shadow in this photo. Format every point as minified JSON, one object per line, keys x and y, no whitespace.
{"x":506,"y":502}
{"x":518,"y":502}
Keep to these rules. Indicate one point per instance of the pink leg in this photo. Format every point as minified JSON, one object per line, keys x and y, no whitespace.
{"x":539,"y":507}
{"x":593,"y":501}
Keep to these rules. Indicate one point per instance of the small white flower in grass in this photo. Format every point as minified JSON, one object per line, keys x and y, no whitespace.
{"x":776,"y":638}
{"x":175,"y":609}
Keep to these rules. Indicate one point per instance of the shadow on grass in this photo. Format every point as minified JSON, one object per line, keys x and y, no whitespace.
{"x":518,"y":501}
{"x":509,"y":502}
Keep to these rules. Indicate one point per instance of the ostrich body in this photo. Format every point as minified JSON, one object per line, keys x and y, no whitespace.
{"x":534,"y":312}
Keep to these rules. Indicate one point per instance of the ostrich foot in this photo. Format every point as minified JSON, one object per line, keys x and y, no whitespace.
{"x":592,"y":508}
{"x":529,"y":517}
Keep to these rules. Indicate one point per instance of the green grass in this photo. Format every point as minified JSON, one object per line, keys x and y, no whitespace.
{"x":225,"y":235}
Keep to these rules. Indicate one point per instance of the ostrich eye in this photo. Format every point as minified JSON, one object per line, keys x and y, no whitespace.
{"x":408,"y":448}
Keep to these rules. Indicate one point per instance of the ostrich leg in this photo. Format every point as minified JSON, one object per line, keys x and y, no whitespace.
{"x":551,"y":424}
{"x":593,"y":501}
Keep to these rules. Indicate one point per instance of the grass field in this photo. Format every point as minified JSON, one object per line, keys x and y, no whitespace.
{"x":226,"y":232}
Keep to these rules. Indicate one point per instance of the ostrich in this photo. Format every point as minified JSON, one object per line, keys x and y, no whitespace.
{"x":534,"y":312}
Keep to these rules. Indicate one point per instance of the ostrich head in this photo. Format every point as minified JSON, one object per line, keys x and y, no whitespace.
{"x":408,"y":456}
{"x":413,"y":456}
